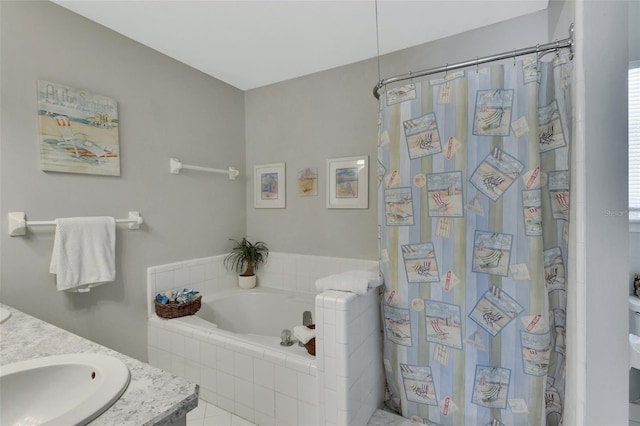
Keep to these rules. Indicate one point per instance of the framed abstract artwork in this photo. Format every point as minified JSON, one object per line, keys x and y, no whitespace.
{"x":348,"y":183}
{"x":269,"y":186}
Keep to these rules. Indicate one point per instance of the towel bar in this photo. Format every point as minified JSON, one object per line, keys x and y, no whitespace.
{"x":18,"y":223}
{"x":175,"y":166}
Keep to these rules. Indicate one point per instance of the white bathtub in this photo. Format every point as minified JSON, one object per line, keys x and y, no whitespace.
{"x":243,"y":369}
{"x":232,"y":350}
{"x":262,"y":311}
{"x":256,"y":316}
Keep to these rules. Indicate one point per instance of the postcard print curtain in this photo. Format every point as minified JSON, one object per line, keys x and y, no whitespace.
{"x":473,"y":188}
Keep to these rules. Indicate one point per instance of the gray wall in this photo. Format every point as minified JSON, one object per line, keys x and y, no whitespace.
{"x":634,"y":30}
{"x":560,"y":18}
{"x":166,"y":109}
{"x":304,"y":121}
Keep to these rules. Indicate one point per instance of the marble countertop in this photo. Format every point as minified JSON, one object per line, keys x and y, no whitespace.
{"x":153,"y":397}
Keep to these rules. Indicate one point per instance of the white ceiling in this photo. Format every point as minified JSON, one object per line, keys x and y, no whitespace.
{"x":250,"y":44}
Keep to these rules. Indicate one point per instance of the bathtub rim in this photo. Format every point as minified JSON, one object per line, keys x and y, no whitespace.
{"x":194,"y":326}
{"x":220,"y":294}
{"x":227,"y":292}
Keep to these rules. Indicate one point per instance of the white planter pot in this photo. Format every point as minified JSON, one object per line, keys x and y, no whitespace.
{"x":246,"y":281}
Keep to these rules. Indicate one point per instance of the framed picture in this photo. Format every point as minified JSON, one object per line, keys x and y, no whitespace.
{"x":348,"y":183}
{"x":308,"y":181}
{"x":78,"y":131}
{"x":269,"y":186}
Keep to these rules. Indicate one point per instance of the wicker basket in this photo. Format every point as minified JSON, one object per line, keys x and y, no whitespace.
{"x":177,"y":310}
{"x":310,"y":346}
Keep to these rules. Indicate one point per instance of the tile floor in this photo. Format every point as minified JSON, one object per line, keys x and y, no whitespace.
{"x":206,"y":414}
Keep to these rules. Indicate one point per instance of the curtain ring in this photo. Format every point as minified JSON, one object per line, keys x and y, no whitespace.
{"x":557,"y":48}
{"x":514,"y":57}
{"x":476,"y":65}
{"x":410,"y":78}
{"x":446,"y":70}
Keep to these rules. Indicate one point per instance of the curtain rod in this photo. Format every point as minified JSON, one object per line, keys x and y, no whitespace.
{"x":541,"y":50}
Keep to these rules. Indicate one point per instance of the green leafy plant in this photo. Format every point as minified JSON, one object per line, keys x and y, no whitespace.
{"x":245,"y":258}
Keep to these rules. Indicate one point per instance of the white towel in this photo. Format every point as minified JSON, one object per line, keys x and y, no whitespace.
{"x":84,"y":253}
{"x":304,"y":334}
{"x":354,"y":281}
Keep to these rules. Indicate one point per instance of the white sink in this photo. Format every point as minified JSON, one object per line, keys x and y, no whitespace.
{"x":70,"y":389}
{"x":634,"y":351}
{"x":4,"y":315}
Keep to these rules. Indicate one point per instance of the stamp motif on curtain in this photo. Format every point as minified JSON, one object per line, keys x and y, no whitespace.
{"x":536,"y":350}
{"x":554,"y":271}
{"x":398,"y":206}
{"x":559,"y":194}
{"x":550,"y":132}
{"x":397,"y":324}
{"x":418,"y":384}
{"x":491,"y":386}
{"x":493,"y":112}
{"x":559,"y":324}
{"x":491,"y":253}
{"x":444,"y":192}
{"x":534,"y":178}
{"x":530,"y":70}
{"x":494,"y":310}
{"x":422,"y":136}
{"x":496,"y":173}
{"x":420,"y":263}
{"x":443,"y":323}
{"x":532,"y":212}
{"x":400,"y":94}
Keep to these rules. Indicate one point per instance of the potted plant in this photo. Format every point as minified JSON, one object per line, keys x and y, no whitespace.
{"x":245,"y":258}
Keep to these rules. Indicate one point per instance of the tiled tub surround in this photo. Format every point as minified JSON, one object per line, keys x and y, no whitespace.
{"x":349,"y":357}
{"x":153,"y":397}
{"x":286,"y":271}
{"x":265,"y":383}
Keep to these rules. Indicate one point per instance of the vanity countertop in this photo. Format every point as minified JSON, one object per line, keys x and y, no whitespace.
{"x":153,"y":397}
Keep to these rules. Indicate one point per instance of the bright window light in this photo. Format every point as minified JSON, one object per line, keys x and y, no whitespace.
{"x":634,"y":141}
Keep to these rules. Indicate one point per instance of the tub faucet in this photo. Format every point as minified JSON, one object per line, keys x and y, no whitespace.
{"x":286,"y":338}
{"x":307,"y":320}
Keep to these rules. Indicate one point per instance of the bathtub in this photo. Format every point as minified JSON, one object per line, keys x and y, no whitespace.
{"x":263,"y":311}
{"x":231,"y":348}
{"x":256,"y":316}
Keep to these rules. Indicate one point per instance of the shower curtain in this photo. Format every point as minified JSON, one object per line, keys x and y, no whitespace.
{"x":473,"y":189}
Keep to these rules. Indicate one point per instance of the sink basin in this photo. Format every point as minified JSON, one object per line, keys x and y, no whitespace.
{"x":4,"y":315}
{"x":68,"y":389}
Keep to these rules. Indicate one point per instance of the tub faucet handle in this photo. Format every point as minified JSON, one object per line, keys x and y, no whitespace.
{"x":285,"y":336}
{"x":307,"y":319}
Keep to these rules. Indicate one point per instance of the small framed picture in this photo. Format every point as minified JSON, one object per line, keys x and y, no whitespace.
{"x":269,"y":186}
{"x":348,"y":183}
{"x":308,"y":181}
